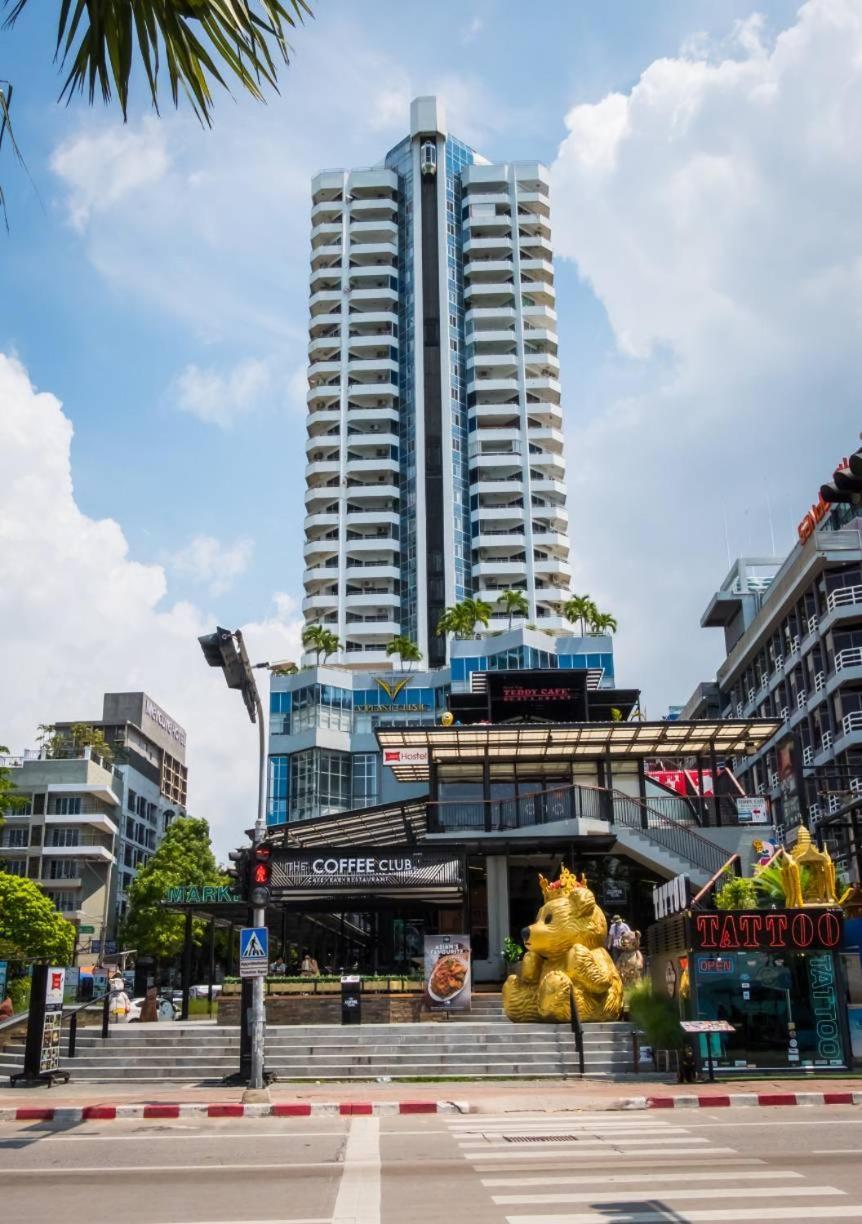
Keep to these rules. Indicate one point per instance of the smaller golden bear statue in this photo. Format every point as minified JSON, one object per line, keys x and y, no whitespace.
{"x":630,"y":962}
{"x":565,"y":953}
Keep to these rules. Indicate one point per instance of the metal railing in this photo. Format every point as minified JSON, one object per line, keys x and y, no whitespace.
{"x":849,"y":657}
{"x":843,"y":597}
{"x":573,"y":803}
{"x":852,"y":722}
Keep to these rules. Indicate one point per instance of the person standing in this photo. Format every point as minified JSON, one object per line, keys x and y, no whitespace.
{"x":618,"y":930}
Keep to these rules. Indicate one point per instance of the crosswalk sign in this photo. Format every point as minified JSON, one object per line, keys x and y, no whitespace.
{"x":253,"y":952}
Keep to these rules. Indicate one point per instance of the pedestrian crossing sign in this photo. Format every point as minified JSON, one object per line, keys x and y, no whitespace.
{"x":253,"y":952}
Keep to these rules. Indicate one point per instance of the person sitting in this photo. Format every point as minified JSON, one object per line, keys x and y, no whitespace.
{"x":308,"y":966}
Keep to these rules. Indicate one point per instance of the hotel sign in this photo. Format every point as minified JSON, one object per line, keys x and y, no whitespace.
{"x":817,"y":513}
{"x":160,"y":718}
{"x":392,"y":688}
{"x":366,"y":870}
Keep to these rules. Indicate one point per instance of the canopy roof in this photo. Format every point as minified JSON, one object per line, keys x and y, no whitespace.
{"x":530,"y":741}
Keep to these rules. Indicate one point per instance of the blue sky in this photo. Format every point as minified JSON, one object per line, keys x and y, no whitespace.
{"x":155,"y":282}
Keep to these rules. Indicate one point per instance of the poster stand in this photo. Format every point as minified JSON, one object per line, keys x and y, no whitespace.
{"x":44,"y":1030}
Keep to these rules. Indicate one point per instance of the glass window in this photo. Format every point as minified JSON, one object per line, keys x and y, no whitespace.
{"x":66,"y":805}
{"x":62,"y":837}
{"x":15,"y":837}
{"x":62,"y":869}
{"x":365,"y":793}
{"x":64,"y":901}
{"x":131,"y":801}
{"x":16,"y":867}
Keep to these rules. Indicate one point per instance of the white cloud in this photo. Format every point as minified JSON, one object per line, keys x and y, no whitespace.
{"x":473,"y":30}
{"x":79,"y":617}
{"x":102,"y":170}
{"x":714,"y":211}
{"x":212,"y":563}
{"x":223,"y":398}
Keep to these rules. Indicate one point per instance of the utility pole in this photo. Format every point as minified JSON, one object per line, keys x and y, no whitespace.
{"x":226,"y":649}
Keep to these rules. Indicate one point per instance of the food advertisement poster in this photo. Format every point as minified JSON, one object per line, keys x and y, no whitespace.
{"x":447,"y":972}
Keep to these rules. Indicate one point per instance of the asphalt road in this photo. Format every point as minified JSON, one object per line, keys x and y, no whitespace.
{"x":799,"y":1164}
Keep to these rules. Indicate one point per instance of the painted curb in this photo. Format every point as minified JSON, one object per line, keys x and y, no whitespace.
{"x":229,"y":1109}
{"x":743,"y":1100}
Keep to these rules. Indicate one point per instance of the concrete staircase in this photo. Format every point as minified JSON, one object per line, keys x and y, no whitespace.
{"x":478,"y":1049}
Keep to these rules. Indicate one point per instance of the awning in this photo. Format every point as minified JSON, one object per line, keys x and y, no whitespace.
{"x":618,"y":740}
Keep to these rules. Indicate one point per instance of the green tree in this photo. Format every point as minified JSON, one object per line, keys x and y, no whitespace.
{"x":72,"y":742}
{"x":580,"y":608}
{"x":321,"y":640}
{"x":405,"y":648}
{"x":196,"y":42}
{"x":10,"y":800}
{"x":185,"y":856}
{"x":449,"y":622}
{"x":603,"y":622}
{"x":30,"y":926}
{"x":514,"y":604}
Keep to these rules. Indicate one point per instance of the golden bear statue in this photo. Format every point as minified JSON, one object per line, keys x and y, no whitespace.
{"x":565,"y":953}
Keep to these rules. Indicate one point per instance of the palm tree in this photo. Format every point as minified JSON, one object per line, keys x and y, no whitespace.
{"x":329,"y":644}
{"x":321,"y":640}
{"x":405,"y":648}
{"x":580,"y":608}
{"x":195,"y":40}
{"x":473,"y":612}
{"x":603,"y":622}
{"x":449,"y":622}
{"x":514,"y":604}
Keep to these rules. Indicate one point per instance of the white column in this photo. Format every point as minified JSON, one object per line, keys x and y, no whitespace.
{"x":497,"y":876}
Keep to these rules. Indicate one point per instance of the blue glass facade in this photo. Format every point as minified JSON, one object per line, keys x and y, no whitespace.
{"x":400,"y":159}
{"x":458,"y":156}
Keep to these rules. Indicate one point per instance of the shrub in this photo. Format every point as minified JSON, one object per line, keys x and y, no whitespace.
{"x":19,"y":993}
{"x":655,"y":1016}
{"x":737,"y":893}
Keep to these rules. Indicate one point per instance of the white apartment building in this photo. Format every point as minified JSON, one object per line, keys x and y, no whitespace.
{"x":435,"y":466}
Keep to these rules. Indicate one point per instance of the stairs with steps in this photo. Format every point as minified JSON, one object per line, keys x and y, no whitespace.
{"x":188,"y":1053}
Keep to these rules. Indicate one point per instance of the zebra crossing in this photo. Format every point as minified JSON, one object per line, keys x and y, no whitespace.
{"x":631,"y":1169}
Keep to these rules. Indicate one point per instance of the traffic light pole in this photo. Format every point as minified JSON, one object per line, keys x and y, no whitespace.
{"x":258,"y":1013}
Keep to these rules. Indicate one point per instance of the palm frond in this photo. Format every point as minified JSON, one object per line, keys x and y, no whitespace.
{"x":199,"y":40}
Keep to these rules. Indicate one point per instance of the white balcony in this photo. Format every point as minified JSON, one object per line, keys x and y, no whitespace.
{"x":83,"y":850}
{"x":372,"y":390}
{"x":844,"y":597}
{"x":801,"y":700}
{"x":808,"y":755}
{"x":851,"y":722}
{"x":383,"y":629}
{"x":326,"y":467}
{"x":320,"y":603}
{"x":850,"y":657}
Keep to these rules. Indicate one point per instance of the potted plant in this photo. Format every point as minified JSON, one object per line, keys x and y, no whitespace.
{"x":512,"y":953}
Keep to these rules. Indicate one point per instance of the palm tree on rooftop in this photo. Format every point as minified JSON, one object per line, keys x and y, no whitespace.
{"x":405,"y":648}
{"x":603,"y":622}
{"x":514,"y":604}
{"x":580,"y":608}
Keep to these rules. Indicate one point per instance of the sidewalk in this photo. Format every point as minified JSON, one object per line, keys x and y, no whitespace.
{"x":497,"y":1096}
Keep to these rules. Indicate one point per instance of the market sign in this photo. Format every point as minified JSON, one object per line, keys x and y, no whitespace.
{"x":799,"y":930}
{"x":330,"y":870}
{"x":191,"y":894}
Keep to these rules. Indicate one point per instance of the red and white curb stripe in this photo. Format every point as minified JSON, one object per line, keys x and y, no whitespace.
{"x":228,"y":1109}
{"x":743,"y":1099}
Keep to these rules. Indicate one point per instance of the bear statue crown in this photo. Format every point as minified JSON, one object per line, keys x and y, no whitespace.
{"x":563,"y":887}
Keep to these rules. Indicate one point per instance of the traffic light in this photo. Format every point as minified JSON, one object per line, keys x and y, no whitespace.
{"x":220,"y":650}
{"x":238,"y":873}
{"x":260,"y":875}
{"x":846,"y":483}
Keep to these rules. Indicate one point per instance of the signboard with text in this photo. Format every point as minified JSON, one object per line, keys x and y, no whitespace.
{"x":801,"y":930}
{"x":447,"y":972}
{"x":363,"y":870}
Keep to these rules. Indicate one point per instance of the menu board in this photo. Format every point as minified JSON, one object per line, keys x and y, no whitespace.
{"x":447,"y":972}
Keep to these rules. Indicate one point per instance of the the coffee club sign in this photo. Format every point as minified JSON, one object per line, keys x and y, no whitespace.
{"x":192,"y":894}
{"x":376,"y":867}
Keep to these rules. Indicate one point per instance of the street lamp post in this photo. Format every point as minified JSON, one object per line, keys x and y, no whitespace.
{"x":226,"y":650}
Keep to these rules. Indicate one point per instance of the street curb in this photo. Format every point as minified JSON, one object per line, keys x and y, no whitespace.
{"x":229,"y":1109}
{"x":742,"y":1100}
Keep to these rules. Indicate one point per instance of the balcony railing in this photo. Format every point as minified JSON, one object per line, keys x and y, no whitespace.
{"x":844,"y":597}
{"x":850,"y":657}
{"x":572,"y":803}
{"x":801,"y":700}
{"x":807,"y":755}
{"x":826,"y":741}
{"x":819,"y":682}
{"x":852,"y":722}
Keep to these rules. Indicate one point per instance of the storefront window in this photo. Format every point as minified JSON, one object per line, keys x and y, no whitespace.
{"x":784,"y":1007}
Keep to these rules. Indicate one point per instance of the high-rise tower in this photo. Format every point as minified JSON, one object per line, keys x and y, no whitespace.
{"x":435,"y":447}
